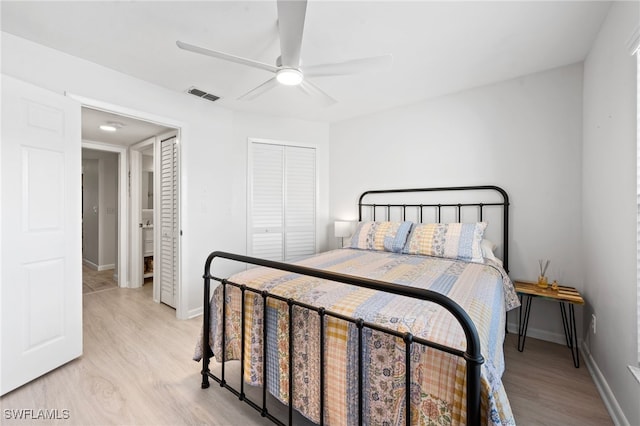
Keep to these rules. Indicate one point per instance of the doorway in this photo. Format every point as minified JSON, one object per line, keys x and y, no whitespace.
{"x":99,"y":220}
{"x":154,"y":208}
{"x":135,"y":139}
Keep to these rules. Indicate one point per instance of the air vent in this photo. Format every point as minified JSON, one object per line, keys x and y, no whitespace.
{"x":202,"y":94}
{"x":210,"y":97}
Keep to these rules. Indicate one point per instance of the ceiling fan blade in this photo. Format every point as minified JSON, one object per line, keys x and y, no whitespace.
{"x":291,"y":14}
{"x":354,"y":66}
{"x":314,"y":91}
{"x":264,"y":87}
{"x":225,"y":56}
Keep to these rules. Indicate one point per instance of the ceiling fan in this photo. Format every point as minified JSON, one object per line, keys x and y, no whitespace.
{"x":288,"y":69}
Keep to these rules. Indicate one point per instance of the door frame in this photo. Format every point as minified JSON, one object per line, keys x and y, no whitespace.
{"x":182,"y":311}
{"x":123,"y":225}
{"x":135,"y":177}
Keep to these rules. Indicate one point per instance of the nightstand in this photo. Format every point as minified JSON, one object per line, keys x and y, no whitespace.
{"x":567,"y":297}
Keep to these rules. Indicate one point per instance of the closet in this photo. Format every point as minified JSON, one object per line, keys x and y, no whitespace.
{"x":168,"y":216}
{"x":282,"y":200}
{"x":155,"y":182}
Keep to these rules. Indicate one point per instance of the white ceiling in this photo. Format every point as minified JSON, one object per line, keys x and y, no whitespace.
{"x":131,"y":132}
{"x":438,"y":47}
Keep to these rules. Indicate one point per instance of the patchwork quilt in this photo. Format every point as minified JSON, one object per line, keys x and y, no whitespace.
{"x":438,"y":389}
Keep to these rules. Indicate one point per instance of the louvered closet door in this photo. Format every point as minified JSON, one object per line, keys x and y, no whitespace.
{"x":267,"y":202}
{"x":300,"y":202}
{"x":282,"y":201}
{"x":167,"y":257}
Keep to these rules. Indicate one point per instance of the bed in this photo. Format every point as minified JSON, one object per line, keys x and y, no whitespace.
{"x":403,"y":325}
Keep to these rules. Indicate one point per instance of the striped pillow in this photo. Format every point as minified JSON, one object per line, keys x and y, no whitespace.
{"x":388,"y":236}
{"x":450,"y":240}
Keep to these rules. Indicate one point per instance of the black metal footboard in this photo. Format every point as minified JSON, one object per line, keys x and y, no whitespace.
{"x":472,"y":355}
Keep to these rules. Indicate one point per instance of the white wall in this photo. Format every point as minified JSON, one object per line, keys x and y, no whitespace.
{"x":523,"y":135}
{"x":100,"y":209}
{"x":90,"y":209}
{"x":108,"y":214}
{"x":609,"y":207}
{"x":288,"y":130}
{"x":213,"y":165}
{"x":231,"y":198}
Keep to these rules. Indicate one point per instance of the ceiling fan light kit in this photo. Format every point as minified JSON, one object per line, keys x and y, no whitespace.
{"x":111,"y":126}
{"x":291,"y":17}
{"x":289,"y":76}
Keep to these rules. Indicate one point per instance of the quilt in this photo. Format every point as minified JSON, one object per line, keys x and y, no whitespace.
{"x":438,"y":389}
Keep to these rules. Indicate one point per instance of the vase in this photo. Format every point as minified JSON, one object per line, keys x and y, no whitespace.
{"x":542,"y":282}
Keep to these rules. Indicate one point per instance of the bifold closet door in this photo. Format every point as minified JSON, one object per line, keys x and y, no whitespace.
{"x":299,"y":202}
{"x":282,"y":201}
{"x":167,"y":261}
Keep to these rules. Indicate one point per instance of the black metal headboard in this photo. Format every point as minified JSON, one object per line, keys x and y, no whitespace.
{"x":450,"y":203}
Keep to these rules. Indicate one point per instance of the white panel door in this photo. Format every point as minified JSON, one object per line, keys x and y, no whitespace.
{"x":41,"y":289}
{"x":168,"y":248}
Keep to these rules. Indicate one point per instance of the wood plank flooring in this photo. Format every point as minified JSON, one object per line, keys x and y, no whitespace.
{"x":93,"y":280}
{"x":137,"y":370}
{"x":544,"y":388}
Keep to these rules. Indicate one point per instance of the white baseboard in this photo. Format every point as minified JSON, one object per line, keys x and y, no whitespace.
{"x":89,"y":264}
{"x":106,"y":267}
{"x":616,"y":413}
{"x":537,"y":333}
{"x":610,"y":402}
{"x":194,"y":312}
{"x":95,"y":267}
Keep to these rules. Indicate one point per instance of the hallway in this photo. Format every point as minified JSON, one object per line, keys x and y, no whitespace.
{"x":94,"y":281}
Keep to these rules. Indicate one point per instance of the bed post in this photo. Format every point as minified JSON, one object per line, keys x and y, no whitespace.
{"x":473,"y":388}
{"x":206,"y":323}
{"x":505,"y":230}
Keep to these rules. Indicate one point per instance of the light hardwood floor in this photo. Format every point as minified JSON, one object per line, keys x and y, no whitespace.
{"x":137,"y":370}
{"x":93,"y":280}
{"x":544,"y":388}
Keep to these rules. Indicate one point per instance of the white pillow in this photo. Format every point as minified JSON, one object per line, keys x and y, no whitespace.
{"x":487,"y":248}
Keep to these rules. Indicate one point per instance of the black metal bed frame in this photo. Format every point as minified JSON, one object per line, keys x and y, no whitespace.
{"x":439,"y":206}
{"x":471,"y":355}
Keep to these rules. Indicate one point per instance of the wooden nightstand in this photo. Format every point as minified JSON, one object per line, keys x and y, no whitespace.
{"x":566,"y":296}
